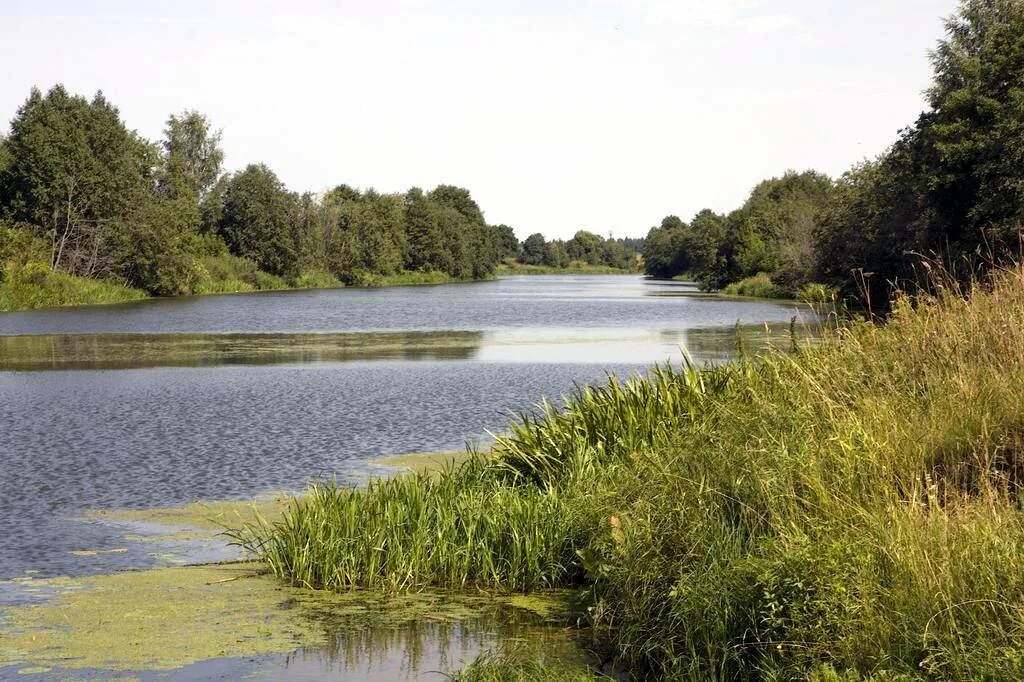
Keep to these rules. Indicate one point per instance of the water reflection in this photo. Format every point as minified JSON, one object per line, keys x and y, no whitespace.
{"x":529,"y":344}
{"x":358,"y":648}
{"x":127,"y":351}
{"x":419,"y":649}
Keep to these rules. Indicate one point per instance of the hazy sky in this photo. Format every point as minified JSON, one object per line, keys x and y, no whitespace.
{"x":605,"y":115}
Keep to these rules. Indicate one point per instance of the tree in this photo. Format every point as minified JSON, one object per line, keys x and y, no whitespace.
{"x":555,"y":255}
{"x":368,"y":237}
{"x":73,"y":169}
{"x":534,"y":250}
{"x":5,"y":156}
{"x":192,"y":154}
{"x":428,"y":247}
{"x":460,"y":199}
{"x":211,"y":207}
{"x":506,"y":243}
{"x":668,"y":249}
{"x":972,"y":139}
{"x":473,"y":252}
{"x":156,"y":245}
{"x":778,"y":217}
{"x":953,"y":183}
{"x":584,"y":246}
{"x":876,"y":216}
{"x":710,"y":250}
{"x":256,"y":220}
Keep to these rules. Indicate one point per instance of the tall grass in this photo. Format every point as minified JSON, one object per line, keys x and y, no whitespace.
{"x":463,"y":528}
{"x":225,"y":274}
{"x":837,"y":512}
{"x":34,"y":286}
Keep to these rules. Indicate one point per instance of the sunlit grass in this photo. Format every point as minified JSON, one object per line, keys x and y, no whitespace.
{"x":36,"y":286}
{"x":835,"y":511}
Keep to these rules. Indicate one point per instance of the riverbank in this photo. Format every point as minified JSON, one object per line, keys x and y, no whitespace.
{"x":514,"y":268}
{"x":761,"y":288}
{"x":55,"y":289}
{"x":836,"y":512}
{"x":233,"y":618}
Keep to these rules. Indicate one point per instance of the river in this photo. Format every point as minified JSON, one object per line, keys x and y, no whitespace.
{"x":163,"y":402}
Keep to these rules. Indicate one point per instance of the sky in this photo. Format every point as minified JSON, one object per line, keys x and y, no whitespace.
{"x":603,"y":115}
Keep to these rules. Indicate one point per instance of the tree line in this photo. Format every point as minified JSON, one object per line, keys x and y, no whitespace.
{"x":82,"y":194}
{"x":585,"y":248}
{"x":951,"y":188}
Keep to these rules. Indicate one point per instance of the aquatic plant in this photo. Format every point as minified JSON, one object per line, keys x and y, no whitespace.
{"x":838,"y":511}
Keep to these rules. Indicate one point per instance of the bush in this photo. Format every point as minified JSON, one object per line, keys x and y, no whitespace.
{"x":233,"y":274}
{"x":815,"y":293}
{"x":316,"y":279}
{"x":758,"y":286}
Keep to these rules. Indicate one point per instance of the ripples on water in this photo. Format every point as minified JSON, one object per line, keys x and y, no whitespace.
{"x":164,"y":402}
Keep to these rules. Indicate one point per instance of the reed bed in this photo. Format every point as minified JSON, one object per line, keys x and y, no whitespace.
{"x":839,"y":512}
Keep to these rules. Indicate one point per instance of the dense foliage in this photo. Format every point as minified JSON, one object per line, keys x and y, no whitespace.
{"x":773,"y":232}
{"x":585,"y":248}
{"x":951,"y":186}
{"x":86,"y":199}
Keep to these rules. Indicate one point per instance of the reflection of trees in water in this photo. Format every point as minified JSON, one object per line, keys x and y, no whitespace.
{"x":424,"y":646}
{"x":122,"y":351}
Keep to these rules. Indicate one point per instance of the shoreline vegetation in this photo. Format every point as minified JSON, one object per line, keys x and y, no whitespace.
{"x":843,"y":511}
{"x":189,"y":615}
{"x":948,"y":190}
{"x":55,"y":289}
{"x":573,"y":268}
{"x":92,"y":213}
{"x":40,"y":289}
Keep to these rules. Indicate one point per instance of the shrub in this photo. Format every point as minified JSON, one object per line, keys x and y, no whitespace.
{"x":758,"y":286}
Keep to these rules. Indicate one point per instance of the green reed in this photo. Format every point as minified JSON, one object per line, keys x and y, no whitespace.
{"x":844,"y":511}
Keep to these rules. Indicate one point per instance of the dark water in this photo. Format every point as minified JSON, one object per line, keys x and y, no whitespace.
{"x":164,"y":402}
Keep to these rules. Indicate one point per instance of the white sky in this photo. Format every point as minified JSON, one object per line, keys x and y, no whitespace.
{"x":601,"y":114}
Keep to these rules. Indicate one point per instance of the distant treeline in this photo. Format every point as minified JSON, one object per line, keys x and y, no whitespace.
{"x":585,"y":248}
{"x":82,"y":196}
{"x":951,"y":187}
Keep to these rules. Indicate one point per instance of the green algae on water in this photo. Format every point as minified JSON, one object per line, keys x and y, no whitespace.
{"x":425,"y":462}
{"x":166,"y":618}
{"x":206,"y":515}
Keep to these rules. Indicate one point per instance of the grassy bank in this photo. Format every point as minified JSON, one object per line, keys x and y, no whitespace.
{"x":218,"y":275}
{"x":762,"y":286}
{"x":39,"y":287}
{"x":840,"y":512}
{"x":511,"y":267}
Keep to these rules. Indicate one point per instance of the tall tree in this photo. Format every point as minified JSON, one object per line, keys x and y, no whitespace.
{"x":73,"y":169}
{"x":505,"y":241}
{"x":193,"y":157}
{"x":534,"y":249}
{"x":428,"y":247}
{"x":473,"y":252}
{"x":953,"y":183}
{"x":257,"y":220}
{"x":668,"y":249}
{"x":585,"y":247}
